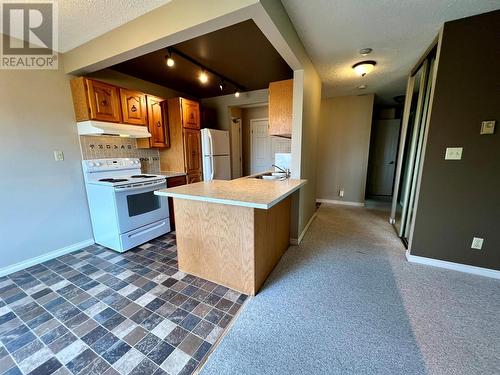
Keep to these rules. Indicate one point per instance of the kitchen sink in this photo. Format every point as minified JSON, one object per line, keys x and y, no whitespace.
{"x":270,"y":176}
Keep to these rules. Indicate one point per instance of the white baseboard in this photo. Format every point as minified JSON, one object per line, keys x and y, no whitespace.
{"x":453,"y":266}
{"x":345,"y":203}
{"x":296,"y":241}
{"x":42,"y":258}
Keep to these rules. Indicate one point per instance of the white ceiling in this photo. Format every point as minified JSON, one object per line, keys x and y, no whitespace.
{"x":399,"y":31}
{"x":83,"y":20}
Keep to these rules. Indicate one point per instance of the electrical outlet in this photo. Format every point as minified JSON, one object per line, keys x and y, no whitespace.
{"x":341,"y":192}
{"x":150,"y":160}
{"x":487,"y":127}
{"x":453,"y":153}
{"x":58,"y":155}
{"x":477,"y":243}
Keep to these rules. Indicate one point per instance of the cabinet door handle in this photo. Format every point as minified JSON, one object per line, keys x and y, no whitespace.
{"x":158,"y":123}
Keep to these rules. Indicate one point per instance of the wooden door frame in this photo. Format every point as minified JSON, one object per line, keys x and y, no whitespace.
{"x":231,"y":143}
{"x":252,"y":121}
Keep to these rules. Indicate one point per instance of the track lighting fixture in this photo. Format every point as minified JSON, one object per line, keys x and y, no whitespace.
{"x":203,"y":77}
{"x":169,"y":60}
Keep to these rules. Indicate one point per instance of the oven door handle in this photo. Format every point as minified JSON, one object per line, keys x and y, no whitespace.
{"x":138,"y":187}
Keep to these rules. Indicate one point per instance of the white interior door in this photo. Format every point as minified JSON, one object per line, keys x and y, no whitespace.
{"x":263,"y":147}
{"x":236,"y":148}
{"x":260,"y":146}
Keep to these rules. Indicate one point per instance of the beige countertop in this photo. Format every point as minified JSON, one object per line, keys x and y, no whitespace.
{"x":247,"y":192}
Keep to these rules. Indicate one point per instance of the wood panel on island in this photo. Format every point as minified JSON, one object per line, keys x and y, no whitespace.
{"x":233,"y":232}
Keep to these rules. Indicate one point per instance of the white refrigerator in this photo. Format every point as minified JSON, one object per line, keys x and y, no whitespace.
{"x":216,"y":154}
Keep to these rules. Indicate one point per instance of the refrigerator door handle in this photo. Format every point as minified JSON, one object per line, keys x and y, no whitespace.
{"x":212,"y":165}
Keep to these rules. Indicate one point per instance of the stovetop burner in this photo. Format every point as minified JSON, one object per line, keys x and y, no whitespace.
{"x":113,"y":179}
{"x":142,"y":176}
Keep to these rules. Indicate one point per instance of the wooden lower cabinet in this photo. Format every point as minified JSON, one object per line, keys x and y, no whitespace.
{"x":173,"y":182}
{"x":194,"y":177}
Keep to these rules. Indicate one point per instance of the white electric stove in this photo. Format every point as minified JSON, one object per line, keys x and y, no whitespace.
{"x":123,"y":208}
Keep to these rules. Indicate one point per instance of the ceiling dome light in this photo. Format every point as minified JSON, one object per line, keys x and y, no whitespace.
{"x":365,"y":51}
{"x":237,"y":94}
{"x":362,"y":87}
{"x":203,"y":77}
{"x":364,"y":67}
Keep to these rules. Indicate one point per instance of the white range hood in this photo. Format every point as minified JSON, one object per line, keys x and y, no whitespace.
{"x":112,"y":128}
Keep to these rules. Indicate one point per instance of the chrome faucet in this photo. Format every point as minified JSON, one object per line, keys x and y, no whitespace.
{"x":285,"y":171}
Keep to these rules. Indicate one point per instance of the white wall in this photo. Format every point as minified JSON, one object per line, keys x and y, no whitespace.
{"x":343,"y":147}
{"x":43,"y":203}
{"x":222,"y":103}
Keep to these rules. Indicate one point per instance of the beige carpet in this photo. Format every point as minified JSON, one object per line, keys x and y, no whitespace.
{"x":347,"y":302}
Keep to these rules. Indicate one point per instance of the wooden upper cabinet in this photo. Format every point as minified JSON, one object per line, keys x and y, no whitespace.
{"x":94,"y":100}
{"x":133,"y":107}
{"x":192,"y":151}
{"x":158,"y":122}
{"x":190,"y":114}
{"x":280,"y":108}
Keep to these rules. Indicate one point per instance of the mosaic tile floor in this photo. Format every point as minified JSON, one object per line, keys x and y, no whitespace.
{"x":96,"y":311}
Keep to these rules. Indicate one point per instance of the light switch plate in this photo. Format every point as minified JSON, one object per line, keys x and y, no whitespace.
{"x":453,"y":153}
{"x":487,"y":127}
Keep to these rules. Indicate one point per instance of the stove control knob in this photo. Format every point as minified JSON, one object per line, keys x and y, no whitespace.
{"x":136,"y":161}
{"x":91,"y":164}
{"x":97,"y":164}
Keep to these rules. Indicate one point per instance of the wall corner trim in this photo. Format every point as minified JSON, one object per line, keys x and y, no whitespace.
{"x":48,"y":256}
{"x":297,"y":241}
{"x":345,"y":203}
{"x":494,"y":274}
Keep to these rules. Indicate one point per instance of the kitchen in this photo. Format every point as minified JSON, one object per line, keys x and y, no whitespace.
{"x":137,"y":145}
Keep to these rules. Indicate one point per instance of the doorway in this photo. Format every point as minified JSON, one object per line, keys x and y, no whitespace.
{"x":383,"y":153}
{"x":411,"y":145}
{"x":236,"y":148}
{"x":263,"y":147}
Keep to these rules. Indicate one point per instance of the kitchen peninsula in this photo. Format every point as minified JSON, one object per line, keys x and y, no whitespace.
{"x":232,"y":232}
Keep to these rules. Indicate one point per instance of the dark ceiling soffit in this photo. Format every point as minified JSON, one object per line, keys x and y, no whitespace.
{"x":236,"y":85}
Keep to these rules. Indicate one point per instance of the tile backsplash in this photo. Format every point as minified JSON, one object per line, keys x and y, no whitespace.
{"x":100,"y":147}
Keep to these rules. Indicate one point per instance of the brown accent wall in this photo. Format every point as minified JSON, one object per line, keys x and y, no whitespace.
{"x":460,"y":200}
